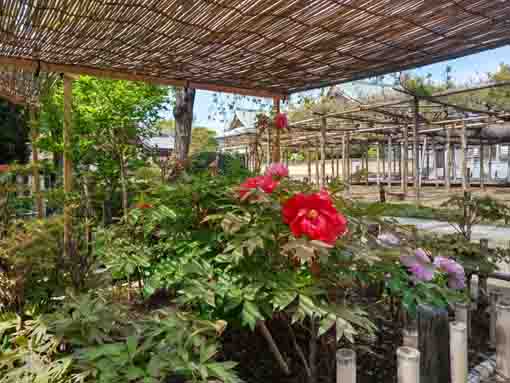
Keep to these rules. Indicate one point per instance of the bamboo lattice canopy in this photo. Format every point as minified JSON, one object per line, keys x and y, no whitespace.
{"x":257,"y":47}
{"x":24,"y":87}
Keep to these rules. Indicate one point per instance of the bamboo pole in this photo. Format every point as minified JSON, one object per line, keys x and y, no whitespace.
{"x":448,"y":162}
{"x":332,"y":159}
{"x":366,"y":162}
{"x":458,"y":352}
{"x":309,"y":165}
{"x":316,"y":157}
{"x":323,"y":151}
{"x":408,"y":365}
{"x":345,"y":366}
{"x":344,"y":158}
{"x":390,"y":152}
{"x":68,"y":164}
{"x":406,"y":159}
{"x":503,"y":338}
{"x":378,"y":159}
{"x":416,"y":107}
{"x":463,"y":158}
{"x":337,"y":164}
{"x":36,"y":180}
{"x":276,"y":149}
{"x":436,"y":174}
{"x":482,"y":170}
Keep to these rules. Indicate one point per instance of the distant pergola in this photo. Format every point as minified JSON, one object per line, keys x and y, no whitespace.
{"x":266,"y":48}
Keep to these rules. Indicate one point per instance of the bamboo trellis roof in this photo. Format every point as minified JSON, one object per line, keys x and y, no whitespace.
{"x":258,"y":47}
{"x":24,"y":87}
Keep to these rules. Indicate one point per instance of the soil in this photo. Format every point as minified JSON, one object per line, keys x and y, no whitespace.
{"x":376,"y":355}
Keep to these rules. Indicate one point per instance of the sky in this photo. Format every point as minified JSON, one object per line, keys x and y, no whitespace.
{"x":464,"y":70}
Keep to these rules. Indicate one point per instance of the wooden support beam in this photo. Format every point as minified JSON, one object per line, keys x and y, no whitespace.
{"x":324,"y":126}
{"x":405,"y":172}
{"x":268,"y":146}
{"x":317,"y":175}
{"x":247,"y":88}
{"x":276,"y":147}
{"x":378,"y":159}
{"x":344,"y":158}
{"x":68,"y":164}
{"x":463,"y":157}
{"x":390,"y":159}
{"x":482,"y":161}
{"x":36,"y":180}
{"x":416,"y":115}
{"x":309,"y":165}
{"x":448,"y":161}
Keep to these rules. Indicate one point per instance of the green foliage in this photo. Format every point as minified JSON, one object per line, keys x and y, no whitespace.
{"x":92,"y":340}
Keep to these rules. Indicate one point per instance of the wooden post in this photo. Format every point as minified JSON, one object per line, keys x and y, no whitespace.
{"x":434,"y":344}
{"x":366,"y":162}
{"x":482,"y":170}
{"x":378,"y":159}
{"x":337,"y":155}
{"x":276,"y":148}
{"x":503,"y":339}
{"x":482,"y":278}
{"x":448,"y":162}
{"x":344,"y":157}
{"x":463,"y":158}
{"x":309,"y":165}
{"x":416,"y":148}
{"x":405,"y":169}
{"x":436,"y":174}
{"x":268,"y":148}
{"x":345,"y":366}
{"x":495,"y":295}
{"x":383,"y":154}
{"x":421,"y":167}
{"x":349,"y":165}
{"x":36,"y":180}
{"x":68,"y":164}
{"x":390,"y":150}
{"x":459,"y":352}
{"x":490,"y":163}
{"x":332,"y":159}
{"x":323,"y":151}
{"x":317,"y":175}
{"x":427,"y":156}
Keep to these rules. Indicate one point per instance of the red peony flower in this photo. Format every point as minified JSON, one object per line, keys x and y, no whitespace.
{"x":280,"y":121}
{"x":315,"y":216}
{"x":264,"y":183}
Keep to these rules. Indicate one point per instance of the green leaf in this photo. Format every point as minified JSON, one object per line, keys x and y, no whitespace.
{"x":134,"y":373}
{"x":250,"y":315}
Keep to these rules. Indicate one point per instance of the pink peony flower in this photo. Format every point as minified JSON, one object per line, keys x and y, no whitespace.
{"x":419,"y":265}
{"x":455,"y":271}
{"x":277,"y":171}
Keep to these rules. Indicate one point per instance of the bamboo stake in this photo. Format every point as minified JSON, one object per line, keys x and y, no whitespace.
{"x":378,"y":159}
{"x":463,"y":158}
{"x":406,"y":159}
{"x":390,"y":150}
{"x":276,"y":148}
{"x":36,"y":181}
{"x":323,"y":151}
{"x":416,"y":148}
{"x":482,"y":170}
{"x":448,"y":164}
{"x":68,"y":165}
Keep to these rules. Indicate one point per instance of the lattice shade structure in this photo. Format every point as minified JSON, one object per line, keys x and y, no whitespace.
{"x":24,"y":87}
{"x":258,"y":47}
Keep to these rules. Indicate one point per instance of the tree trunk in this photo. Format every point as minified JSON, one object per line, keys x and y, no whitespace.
{"x":183,"y":114}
